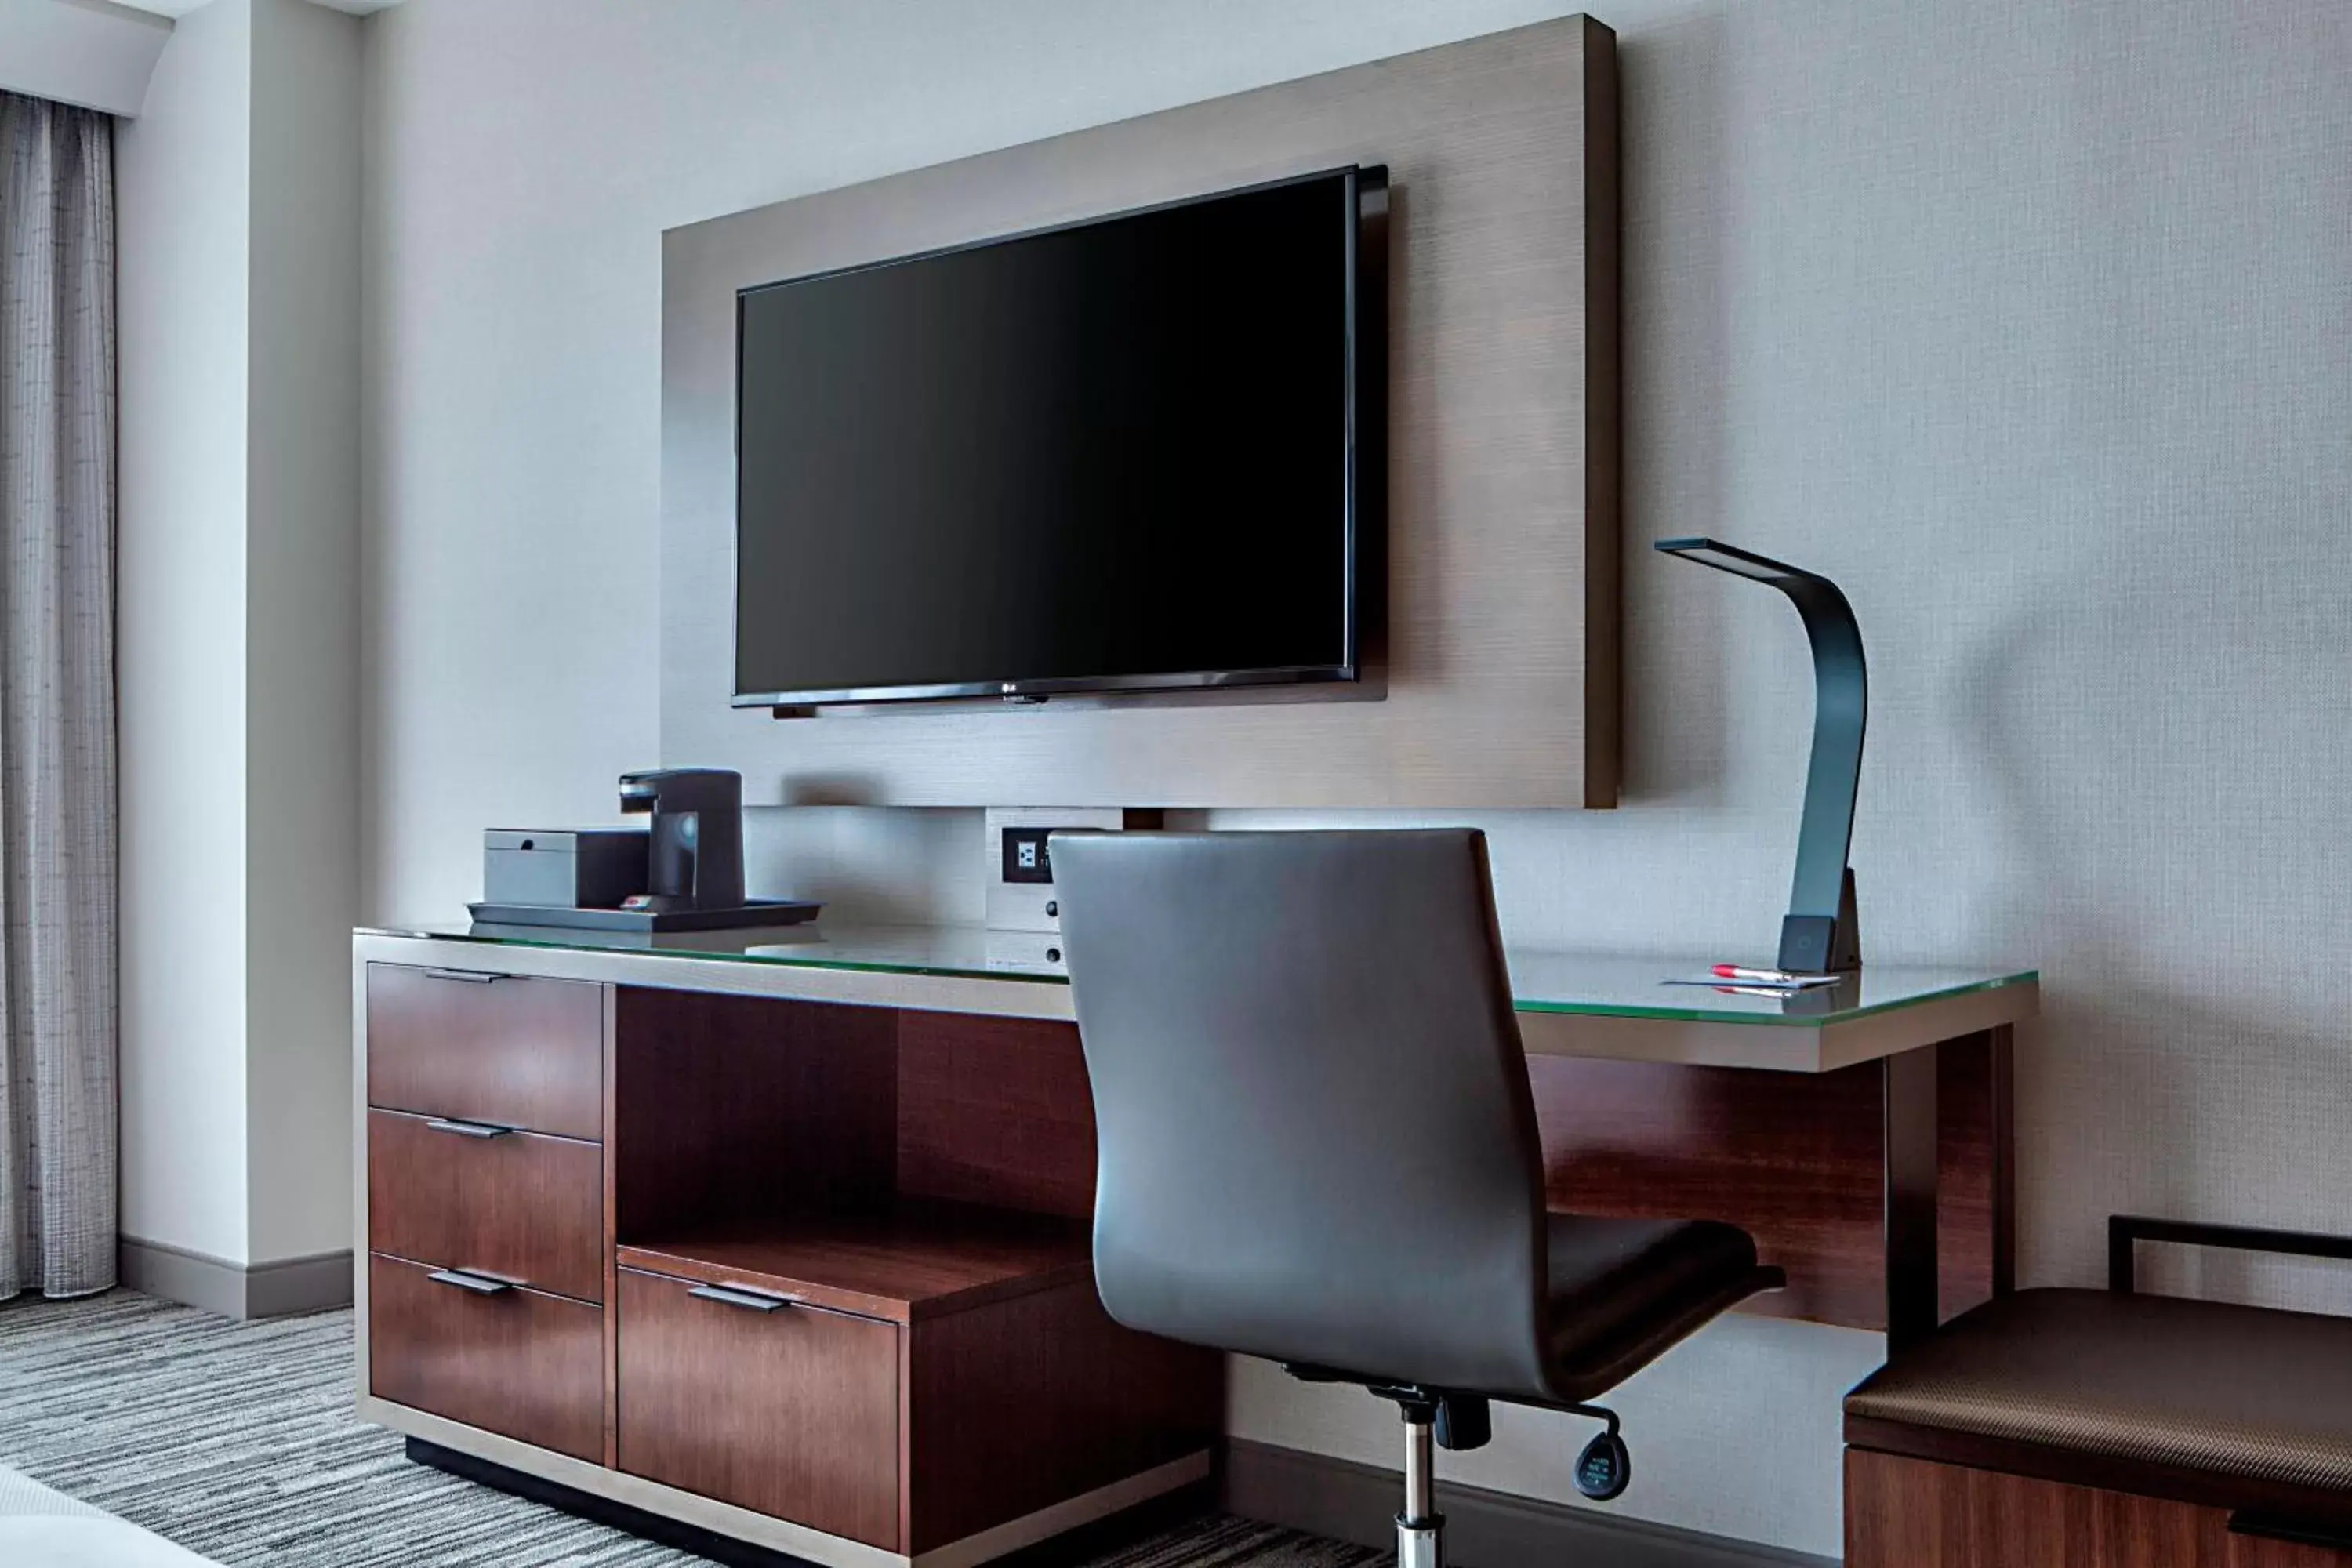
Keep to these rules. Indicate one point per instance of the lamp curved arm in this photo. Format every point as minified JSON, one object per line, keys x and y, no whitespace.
{"x":1818,"y":934}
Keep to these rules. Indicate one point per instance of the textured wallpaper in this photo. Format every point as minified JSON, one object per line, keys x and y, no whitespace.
{"x":2030,"y":325}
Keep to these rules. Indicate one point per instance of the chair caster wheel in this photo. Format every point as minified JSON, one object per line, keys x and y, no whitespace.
{"x":1605,"y":1467}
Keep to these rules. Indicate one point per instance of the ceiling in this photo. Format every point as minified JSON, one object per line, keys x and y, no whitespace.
{"x":181,"y":7}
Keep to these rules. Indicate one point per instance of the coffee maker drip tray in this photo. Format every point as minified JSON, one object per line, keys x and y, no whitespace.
{"x":753,"y":912}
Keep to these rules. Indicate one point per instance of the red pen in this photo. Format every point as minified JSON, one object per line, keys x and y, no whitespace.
{"x":1769,"y":977}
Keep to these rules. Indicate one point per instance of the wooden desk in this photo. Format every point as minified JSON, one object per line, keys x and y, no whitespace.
{"x":626,"y":1199}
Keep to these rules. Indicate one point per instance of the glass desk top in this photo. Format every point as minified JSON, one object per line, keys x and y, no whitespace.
{"x":1590,"y":985}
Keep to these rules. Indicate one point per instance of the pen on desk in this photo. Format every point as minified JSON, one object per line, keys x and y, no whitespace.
{"x":1769,"y":977}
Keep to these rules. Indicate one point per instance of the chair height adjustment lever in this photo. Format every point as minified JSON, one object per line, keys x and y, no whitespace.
{"x":1605,"y":1469}
{"x":1464,"y":1421}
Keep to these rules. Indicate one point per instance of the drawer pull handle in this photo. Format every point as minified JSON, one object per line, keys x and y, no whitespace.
{"x":751,"y":1300}
{"x":468,"y":1129}
{"x":477,"y":1283}
{"x":471,"y":977}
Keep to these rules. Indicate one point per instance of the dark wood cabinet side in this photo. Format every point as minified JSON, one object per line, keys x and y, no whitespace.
{"x":726,"y":1107}
{"x":1902,"y":1512}
{"x":1018,"y":1405}
{"x":1794,"y":1158}
{"x":995,"y":1111}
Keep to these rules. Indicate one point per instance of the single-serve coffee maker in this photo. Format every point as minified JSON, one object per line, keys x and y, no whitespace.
{"x":683,"y":871}
{"x":694,"y":848}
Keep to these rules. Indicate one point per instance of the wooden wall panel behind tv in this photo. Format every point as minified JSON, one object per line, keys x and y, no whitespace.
{"x":1501,"y":679}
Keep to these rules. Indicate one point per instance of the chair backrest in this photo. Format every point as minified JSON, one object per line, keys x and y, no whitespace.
{"x":1318,"y":1140}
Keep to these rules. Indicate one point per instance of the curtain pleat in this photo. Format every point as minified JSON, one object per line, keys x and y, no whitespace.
{"x":57,"y":1069}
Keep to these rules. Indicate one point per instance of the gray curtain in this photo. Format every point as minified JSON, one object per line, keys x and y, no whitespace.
{"x":58,"y":1101}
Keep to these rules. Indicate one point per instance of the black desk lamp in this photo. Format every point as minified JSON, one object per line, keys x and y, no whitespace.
{"x":1819,"y":936}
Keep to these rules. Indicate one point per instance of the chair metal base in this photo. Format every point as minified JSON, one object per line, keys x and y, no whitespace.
{"x":1421,"y":1545}
{"x":1601,"y":1470}
{"x":1420,"y":1528}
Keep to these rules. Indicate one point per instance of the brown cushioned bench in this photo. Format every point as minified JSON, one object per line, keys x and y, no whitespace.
{"x":2109,"y":1429}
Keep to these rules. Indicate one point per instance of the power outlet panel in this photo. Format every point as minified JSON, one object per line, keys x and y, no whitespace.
{"x":1021,"y":868}
{"x":1028,"y":858}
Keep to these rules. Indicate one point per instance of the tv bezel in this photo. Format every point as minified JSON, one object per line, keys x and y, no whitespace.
{"x":1363,"y":458}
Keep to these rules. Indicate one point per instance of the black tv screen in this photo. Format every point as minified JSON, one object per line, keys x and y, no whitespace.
{"x":1124,"y":454}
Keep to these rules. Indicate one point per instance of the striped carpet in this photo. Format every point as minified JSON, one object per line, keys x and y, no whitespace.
{"x":237,"y":1441}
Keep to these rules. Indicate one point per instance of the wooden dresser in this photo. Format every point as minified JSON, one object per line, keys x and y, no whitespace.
{"x":809,"y":1274}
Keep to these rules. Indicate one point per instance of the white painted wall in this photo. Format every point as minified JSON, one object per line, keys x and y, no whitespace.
{"x":302,"y":625}
{"x":88,"y":52}
{"x":183,"y":171}
{"x":237,"y":632}
{"x":2031,"y":324}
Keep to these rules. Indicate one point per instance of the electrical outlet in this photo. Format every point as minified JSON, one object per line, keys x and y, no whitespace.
{"x":1020,"y":888}
{"x":1026,"y":856}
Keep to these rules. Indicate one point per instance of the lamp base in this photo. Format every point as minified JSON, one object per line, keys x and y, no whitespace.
{"x":1818,"y":944}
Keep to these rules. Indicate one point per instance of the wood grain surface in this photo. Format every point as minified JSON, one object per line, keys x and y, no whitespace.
{"x":1794,"y":1158}
{"x":792,"y":1413}
{"x":995,"y":1111}
{"x":519,"y":1051}
{"x":910,"y":1261}
{"x":522,"y":1206}
{"x":527,"y":1366}
{"x":1913,"y":1514}
{"x":736,"y":1106}
{"x":1017,"y":1404}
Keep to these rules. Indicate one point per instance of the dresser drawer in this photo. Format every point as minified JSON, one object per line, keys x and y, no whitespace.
{"x":520,"y":1206}
{"x":791,"y":1413}
{"x":505,"y":1049}
{"x":519,"y":1362}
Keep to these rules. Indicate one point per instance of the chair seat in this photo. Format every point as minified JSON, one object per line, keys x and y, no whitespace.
{"x":2151,"y":1392}
{"x":1624,"y":1291}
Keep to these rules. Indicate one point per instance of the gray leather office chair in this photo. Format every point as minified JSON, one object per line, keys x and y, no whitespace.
{"x":1317,"y":1143}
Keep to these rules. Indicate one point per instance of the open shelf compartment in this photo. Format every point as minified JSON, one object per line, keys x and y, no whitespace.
{"x":912,"y":1259}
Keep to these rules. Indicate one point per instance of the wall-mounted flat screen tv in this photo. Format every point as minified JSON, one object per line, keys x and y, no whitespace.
{"x":1138,"y":452}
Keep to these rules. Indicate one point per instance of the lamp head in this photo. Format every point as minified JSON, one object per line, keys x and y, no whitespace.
{"x":1732,"y":559}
